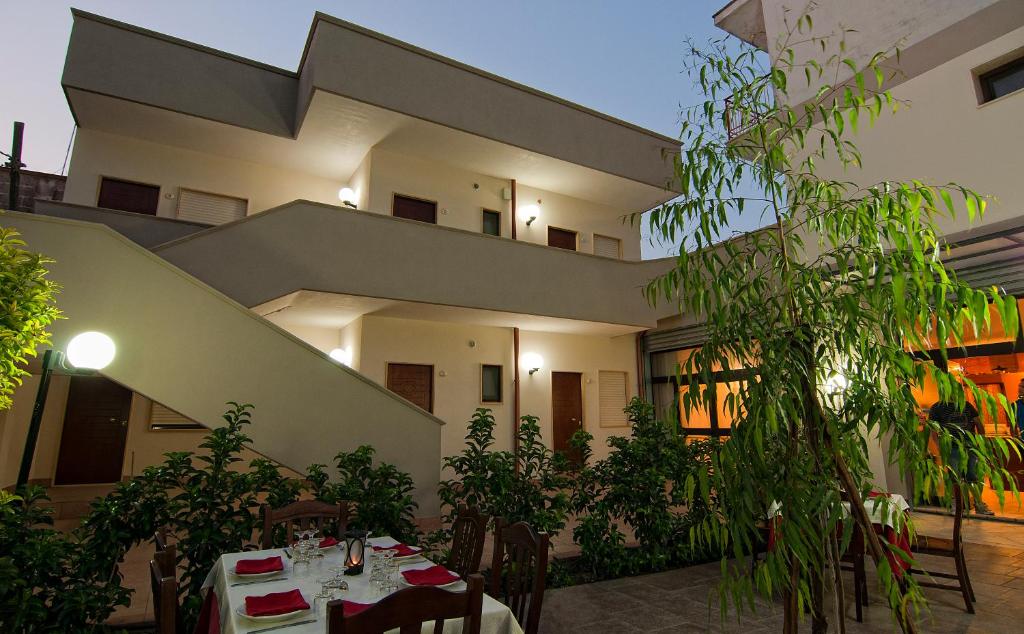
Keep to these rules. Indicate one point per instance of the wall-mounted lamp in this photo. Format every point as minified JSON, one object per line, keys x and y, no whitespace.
{"x":346,"y":196}
{"x":532,"y":362}
{"x":86,"y":353}
{"x":836,"y":384}
{"x":342,"y":356}
{"x":529,"y":213}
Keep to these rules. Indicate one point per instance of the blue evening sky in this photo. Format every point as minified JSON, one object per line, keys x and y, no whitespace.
{"x":623,"y":58}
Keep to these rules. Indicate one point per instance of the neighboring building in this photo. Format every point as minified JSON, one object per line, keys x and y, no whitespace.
{"x":447,"y":234}
{"x":31,"y":187}
{"x":961,"y":73}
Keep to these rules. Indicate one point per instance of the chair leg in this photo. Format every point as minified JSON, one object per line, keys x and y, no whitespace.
{"x":863,"y":581}
{"x":961,"y":573}
{"x":967,"y":577}
{"x":860,"y":587}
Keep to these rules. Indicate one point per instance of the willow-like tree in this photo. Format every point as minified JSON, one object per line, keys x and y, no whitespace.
{"x":847,"y":281}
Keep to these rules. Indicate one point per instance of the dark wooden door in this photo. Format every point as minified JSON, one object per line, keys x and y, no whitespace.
{"x":128,"y":196}
{"x":414,"y":383}
{"x":561,"y":238}
{"x":566,"y":410}
{"x":95,"y":428}
{"x":414,"y":209}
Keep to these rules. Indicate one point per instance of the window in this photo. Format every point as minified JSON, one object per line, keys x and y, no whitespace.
{"x":607,"y":247}
{"x":210,"y":209}
{"x":1002,"y":80}
{"x":492,"y":222}
{"x":490,"y":384}
{"x":613,"y":397}
{"x":670,"y":392}
{"x":562,"y":238}
{"x":162,"y":418}
{"x":414,"y":209}
{"x":137,"y":198}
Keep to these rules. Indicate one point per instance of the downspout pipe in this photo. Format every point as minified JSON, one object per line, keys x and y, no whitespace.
{"x":515,"y":398}
{"x":513,"y":214}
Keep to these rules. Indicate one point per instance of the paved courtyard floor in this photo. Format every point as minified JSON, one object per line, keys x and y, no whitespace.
{"x":686,"y":600}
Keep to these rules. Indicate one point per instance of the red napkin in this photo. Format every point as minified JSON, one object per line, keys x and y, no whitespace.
{"x":351,"y":608}
{"x":258,"y":566}
{"x":327,"y":542}
{"x":275,"y":603}
{"x":433,"y":576}
{"x":400,"y":549}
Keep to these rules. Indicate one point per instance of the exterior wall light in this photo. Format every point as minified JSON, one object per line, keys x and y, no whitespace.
{"x":342,"y":356}
{"x":87,"y":352}
{"x":346,"y":196}
{"x":529,"y":213}
{"x":533,"y":362}
{"x":91,"y":351}
{"x":836,"y":384}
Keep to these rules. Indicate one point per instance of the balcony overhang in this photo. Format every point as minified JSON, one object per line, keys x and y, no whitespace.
{"x":305,"y":246}
{"x":745,"y":20}
{"x":355,"y":90}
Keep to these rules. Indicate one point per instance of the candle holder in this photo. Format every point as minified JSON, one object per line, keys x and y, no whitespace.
{"x":355,"y":551}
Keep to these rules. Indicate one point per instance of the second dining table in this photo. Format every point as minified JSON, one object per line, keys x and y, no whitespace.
{"x":230,"y":591}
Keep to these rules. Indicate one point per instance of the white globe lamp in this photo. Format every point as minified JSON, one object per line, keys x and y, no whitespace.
{"x":91,"y":350}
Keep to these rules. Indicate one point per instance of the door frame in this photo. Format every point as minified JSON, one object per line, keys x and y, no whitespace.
{"x":551,"y":401}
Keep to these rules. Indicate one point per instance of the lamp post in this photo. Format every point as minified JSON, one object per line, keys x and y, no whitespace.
{"x":87,"y":352}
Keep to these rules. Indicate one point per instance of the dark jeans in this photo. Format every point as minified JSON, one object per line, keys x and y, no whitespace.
{"x":971,"y":474}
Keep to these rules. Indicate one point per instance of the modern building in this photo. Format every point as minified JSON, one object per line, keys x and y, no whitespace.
{"x":367,"y":248}
{"x":960,"y":76}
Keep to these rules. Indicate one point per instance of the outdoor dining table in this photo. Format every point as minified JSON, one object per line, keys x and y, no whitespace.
{"x":887,"y":512}
{"x":230,"y":591}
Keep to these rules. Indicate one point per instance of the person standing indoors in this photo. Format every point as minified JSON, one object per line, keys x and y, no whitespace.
{"x":1018,"y":409}
{"x":958,"y":423}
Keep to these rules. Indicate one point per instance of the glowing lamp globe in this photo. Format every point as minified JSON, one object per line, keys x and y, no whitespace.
{"x":91,"y":350}
{"x":346,"y":195}
{"x":342,"y":356}
{"x":529,"y":213}
{"x":532,"y":362}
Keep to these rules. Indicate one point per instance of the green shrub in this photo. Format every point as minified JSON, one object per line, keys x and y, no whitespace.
{"x":529,"y":485}
{"x":647,"y":483}
{"x":383,"y":494}
{"x":48,"y":582}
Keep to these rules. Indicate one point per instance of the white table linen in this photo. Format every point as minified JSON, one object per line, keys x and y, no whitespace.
{"x":496,"y":617}
{"x":885,"y":510}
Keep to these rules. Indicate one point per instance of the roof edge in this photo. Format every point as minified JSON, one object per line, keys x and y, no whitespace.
{"x":79,"y":13}
{"x":319,"y":16}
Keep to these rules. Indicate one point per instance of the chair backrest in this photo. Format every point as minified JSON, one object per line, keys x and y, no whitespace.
{"x":518,"y":571}
{"x":958,"y":515}
{"x":167,"y":559}
{"x":165,"y":600}
{"x":469,"y":531}
{"x":303,"y":514}
{"x":160,"y":538}
{"x":407,"y":610}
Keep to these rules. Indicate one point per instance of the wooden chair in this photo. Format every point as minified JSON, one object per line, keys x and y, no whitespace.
{"x":518,"y":571}
{"x":165,"y":554}
{"x":407,"y":610}
{"x":304,"y":514}
{"x":853,"y":561}
{"x":469,"y":531}
{"x":165,"y":601}
{"x":945,"y":547}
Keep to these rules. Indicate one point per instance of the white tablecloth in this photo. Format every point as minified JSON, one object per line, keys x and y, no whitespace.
{"x":885,"y":510}
{"x":497,"y":618}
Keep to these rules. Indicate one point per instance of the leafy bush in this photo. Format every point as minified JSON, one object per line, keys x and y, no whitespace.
{"x":28,"y":309}
{"x":535,"y":492}
{"x":48,"y":582}
{"x":648,"y":484}
{"x":209,"y":506}
{"x":383,"y":494}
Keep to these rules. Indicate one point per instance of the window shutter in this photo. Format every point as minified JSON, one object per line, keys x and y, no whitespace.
{"x":161,"y":417}
{"x":210,"y":209}
{"x":613,"y":398}
{"x":607,"y":247}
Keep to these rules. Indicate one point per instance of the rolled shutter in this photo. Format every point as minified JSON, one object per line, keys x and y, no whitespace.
{"x":613,"y":396}
{"x":210,"y":209}
{"x":607,"y":247}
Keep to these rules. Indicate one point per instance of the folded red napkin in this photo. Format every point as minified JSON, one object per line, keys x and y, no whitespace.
{"x":327,"y":542}
{"x":433,"y":576}
{"x":258,"y":566}
{"x":275,"y":603}
{"x":401,"y":550}
{"x":351,"y":608}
